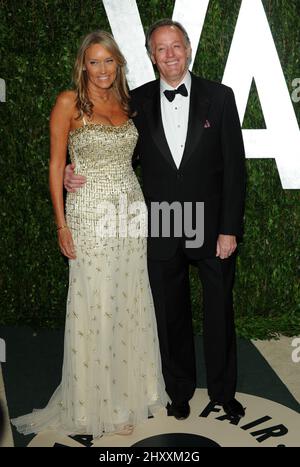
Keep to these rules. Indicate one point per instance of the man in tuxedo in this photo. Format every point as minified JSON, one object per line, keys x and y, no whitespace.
{"x":191,"y":150}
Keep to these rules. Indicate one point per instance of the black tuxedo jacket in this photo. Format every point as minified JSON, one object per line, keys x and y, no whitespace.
{"x":212,"y":169}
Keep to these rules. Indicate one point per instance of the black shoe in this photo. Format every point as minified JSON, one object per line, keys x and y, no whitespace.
{"x":233,"y":408}
{"x":179,"y":411}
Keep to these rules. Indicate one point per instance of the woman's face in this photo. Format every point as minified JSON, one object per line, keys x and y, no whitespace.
{"x":101,"y":66}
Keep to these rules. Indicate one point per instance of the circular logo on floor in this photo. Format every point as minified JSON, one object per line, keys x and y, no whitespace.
{"x":266,"y":423}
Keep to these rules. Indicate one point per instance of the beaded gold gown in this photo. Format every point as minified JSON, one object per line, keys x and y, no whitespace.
{"x":111,"y":373}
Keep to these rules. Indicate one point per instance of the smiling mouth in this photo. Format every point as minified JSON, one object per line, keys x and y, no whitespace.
{"x":102,"y":78}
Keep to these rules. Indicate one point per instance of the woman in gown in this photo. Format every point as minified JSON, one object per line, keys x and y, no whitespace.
{"x":111,"y":376}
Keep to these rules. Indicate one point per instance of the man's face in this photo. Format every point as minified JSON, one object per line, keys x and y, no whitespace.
{"x":170,"y":54}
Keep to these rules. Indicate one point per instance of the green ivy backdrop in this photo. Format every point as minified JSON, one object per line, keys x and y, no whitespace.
{"x":38,"y":43}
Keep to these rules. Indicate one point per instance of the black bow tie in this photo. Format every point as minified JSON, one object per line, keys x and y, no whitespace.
{"x":170,"y":95}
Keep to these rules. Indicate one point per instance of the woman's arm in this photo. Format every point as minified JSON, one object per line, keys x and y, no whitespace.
{"x":60,"y":121}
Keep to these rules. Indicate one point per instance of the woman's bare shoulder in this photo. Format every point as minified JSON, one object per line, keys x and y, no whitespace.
{"x":66,"y":99}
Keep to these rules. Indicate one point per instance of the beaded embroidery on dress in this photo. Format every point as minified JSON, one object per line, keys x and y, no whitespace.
{"x":111,"y":373}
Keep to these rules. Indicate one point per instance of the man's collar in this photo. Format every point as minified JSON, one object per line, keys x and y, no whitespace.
{"x":187,"y":80}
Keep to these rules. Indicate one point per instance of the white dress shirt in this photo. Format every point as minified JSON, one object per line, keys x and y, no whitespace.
{"x":175,"y":117}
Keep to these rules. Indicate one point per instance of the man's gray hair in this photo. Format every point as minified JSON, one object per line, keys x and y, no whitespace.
{"x":160,"y":24}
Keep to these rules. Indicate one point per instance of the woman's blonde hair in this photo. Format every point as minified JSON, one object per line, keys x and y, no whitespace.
{"x":80,"y":78}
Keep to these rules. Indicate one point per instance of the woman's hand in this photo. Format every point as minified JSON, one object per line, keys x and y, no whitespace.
{"x":66,"y":243}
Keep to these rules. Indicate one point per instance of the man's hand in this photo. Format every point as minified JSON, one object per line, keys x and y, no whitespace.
{"x":71,"y":181}
{"x":226,"y":245}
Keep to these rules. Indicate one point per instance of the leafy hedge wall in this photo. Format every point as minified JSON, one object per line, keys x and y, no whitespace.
{"x":38,"y":43}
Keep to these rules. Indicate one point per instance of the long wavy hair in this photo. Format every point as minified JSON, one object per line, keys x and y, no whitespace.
{"x":80,"y":78}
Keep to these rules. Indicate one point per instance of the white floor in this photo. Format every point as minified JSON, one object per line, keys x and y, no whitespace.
{"x":278,"y":354}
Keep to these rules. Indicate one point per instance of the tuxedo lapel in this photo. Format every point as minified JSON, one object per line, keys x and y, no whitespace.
{"x":199,"y":105}
{"x":152,"y":109}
